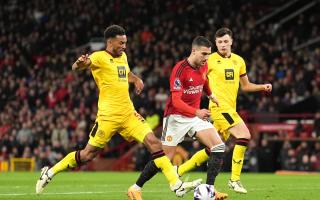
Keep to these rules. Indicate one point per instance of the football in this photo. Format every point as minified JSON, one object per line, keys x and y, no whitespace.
{"x":204,"y":192}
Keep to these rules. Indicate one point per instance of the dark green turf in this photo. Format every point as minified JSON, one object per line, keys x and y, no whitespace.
{"x":112,"y":185}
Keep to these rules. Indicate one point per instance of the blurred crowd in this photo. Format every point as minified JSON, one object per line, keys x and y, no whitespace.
{"x":46,"y":110}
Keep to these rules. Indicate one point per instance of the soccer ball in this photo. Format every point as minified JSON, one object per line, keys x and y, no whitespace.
{"x":204,"y":192}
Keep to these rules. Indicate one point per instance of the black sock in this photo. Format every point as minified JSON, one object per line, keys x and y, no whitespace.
{"x":215,"y":163}
{"x":150,"y":170}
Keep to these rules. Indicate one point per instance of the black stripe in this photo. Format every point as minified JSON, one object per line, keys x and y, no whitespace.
{"x":179,"y":71}
{"x":77,"y":157}
{"x":243,"y":74}
{"x":164,"y":132}
{"x":157,"y":154}
{"x":94,"y":129}
{"x":228,"y":118}
{"x":242,"y":141}
{"x":208,"y":151}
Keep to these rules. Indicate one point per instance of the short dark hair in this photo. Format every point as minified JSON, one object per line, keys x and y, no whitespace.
{"x":112,"y":31}
{"x":201,"y":41}
{"x":223,"y":31}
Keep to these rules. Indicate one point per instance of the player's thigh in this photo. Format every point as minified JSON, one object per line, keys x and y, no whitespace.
{"x":101,"y":132}
{"x":205,"y":132}
{"x":223,"y":120}
{"x":135,"y":128}
{"x":169,"y":151}
{"x":175,"y":127}
{"x":209,"y":137}
{"x":240,"y":130}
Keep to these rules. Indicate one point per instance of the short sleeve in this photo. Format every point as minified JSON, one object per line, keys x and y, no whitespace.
{"x":94,"y":58}
{"x":243,"y":68}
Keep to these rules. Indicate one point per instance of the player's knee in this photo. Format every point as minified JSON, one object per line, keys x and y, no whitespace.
{"x":152,"y":143}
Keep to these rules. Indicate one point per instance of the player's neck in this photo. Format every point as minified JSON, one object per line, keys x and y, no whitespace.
{"x":192,"y":63}
{"x":111,"y":53}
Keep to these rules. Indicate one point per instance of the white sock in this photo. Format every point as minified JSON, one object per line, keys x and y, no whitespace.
{"x":136,"y":187}
{"x":50,"y":173}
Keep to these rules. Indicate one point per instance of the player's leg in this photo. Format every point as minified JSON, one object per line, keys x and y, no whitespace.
{"x":242,"y":135}
{"x":211,"y":139}
{"x":72,"y":160}
{"x":199,"y":127}
{"x":160,"y":162}
{"x":76,"y":158}
{"x":195,"y":161}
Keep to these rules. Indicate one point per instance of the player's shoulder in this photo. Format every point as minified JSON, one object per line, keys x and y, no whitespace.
{"x":236,"y":56}
{"x":180,"y":65}
{"x":98,"y":54}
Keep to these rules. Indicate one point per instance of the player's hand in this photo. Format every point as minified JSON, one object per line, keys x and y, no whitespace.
{"x":203,"y":114}
{"x":138,"y":84}
{"x":214,"y":99}
{"x":267,"y":87}
{"x":83,"y":61}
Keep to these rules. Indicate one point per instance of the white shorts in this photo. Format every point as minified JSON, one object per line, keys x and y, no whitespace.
{"x":175,"y":128}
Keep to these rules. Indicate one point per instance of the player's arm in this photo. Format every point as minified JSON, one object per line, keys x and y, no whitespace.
{"x":83,"y":62}
{"x":177,"y":102}
{"x":247,"y":86}
{"x":138,"y":83}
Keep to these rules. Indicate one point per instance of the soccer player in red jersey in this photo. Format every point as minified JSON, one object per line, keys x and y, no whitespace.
{"x":183,"y":115}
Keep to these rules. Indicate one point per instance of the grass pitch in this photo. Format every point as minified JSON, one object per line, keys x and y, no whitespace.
{"x":113,"y":185}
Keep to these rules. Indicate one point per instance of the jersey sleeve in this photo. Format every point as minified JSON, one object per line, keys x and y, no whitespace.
{"x":176,"y":89}
{"x":176,"y":80}
{"x":94,"y":58}
{"x":243,"y":68}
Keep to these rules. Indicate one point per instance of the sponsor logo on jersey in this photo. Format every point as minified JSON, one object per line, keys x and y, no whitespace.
{"x":193,"y":89}
{"x":122,"y":71}
{"x":229,"y":74}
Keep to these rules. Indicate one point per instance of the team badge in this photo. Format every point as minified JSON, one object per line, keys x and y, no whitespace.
{"x":100,"y":134}
{"x":177,"y":84}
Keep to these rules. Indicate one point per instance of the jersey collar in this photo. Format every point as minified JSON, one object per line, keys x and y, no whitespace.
{"x":222,"y":55}
{"x":111,"y":54}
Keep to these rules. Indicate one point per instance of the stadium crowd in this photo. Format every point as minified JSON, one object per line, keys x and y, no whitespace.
{"x":46,"y":109}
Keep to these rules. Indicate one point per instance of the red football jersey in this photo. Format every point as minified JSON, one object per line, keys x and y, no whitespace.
{"x":188,"y":83}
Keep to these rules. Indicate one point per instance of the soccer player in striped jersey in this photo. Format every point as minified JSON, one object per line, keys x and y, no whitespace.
{"x":116,"y":114}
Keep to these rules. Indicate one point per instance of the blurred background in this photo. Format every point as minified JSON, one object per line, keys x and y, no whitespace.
{"x":46,"y":110}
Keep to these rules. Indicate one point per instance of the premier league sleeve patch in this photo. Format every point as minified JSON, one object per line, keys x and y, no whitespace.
{"x":177,"y":84}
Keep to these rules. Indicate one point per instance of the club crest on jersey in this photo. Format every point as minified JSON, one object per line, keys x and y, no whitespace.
{"x":177,"y":84}
{"x":229,"y":74}
{"x":122,"y":71}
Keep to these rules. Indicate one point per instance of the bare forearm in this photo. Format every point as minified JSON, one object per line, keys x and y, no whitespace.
{"x":132,"y":78}
{"x":252,"y":87}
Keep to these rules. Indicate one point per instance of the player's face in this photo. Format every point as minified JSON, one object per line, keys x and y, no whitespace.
{"x":201,"y":54}
{"x":224,"y":45}
{"x":118,"y":44}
